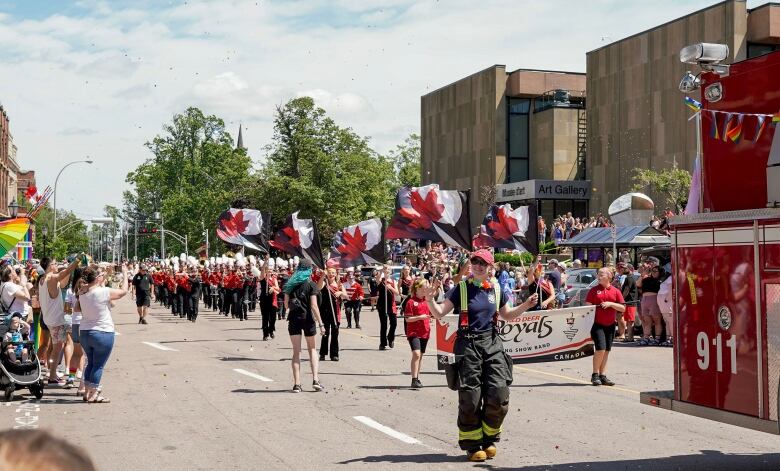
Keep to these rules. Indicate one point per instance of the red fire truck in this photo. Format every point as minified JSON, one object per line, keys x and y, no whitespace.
{"x":726,"y":258}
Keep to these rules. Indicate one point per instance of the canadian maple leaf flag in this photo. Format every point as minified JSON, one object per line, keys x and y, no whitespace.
{"x":428,"y":213}
{"x":32,"y":194}
{"x":300,"y":237}
{"x":359,"y":244}
{"x":505,"y":228}
{"x":245,"y":227}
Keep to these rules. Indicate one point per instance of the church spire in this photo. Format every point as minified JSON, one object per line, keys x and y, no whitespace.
{"x":240,"y":140}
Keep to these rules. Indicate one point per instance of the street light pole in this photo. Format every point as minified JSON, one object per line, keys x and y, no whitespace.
{"x":55,"y":190}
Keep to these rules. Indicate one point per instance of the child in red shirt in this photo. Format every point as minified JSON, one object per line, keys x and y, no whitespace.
{"x":418,"y":328}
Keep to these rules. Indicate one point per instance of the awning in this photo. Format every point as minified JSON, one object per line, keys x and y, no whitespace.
{"x":627,"y":236}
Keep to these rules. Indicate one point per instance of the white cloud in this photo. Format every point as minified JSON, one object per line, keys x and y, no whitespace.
{"x":124,"y":72}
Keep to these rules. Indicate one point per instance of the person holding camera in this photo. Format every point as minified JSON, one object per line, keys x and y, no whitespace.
{"x":303,"y":318}
{"x":483,"y":369}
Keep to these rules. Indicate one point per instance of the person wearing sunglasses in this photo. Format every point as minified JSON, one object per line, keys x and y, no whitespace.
{"x":484,"y":370}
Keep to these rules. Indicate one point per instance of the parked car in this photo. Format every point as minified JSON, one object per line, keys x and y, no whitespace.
{"x":578,"y":299}
{"x":577,"y":279}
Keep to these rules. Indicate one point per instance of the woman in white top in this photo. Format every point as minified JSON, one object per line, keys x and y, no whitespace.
{"x":71,"y":303}
{"x":14,"y":294}
{"x":97,"y":327}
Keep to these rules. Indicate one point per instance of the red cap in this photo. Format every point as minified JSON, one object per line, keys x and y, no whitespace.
{"x":485,"y":255}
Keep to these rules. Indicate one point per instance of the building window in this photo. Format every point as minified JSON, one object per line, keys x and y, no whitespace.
{"x":518,"y":139}
{"x":756,"y":49}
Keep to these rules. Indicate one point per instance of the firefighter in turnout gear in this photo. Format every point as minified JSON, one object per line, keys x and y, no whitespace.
{"x":484,"y":370}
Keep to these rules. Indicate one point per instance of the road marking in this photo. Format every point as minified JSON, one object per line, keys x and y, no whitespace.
{"x":252,"y":375}
{"x":27,"y":420}
{"x":616,"y":388}
{"x":387,"y":430}
{"x":160,"y":346}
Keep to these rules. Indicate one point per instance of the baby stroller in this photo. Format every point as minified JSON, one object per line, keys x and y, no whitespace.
{"x":15,"y":376}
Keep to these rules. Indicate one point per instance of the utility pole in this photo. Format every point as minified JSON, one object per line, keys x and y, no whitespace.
{"x":207,"y":238}
{"x":135,"y":240}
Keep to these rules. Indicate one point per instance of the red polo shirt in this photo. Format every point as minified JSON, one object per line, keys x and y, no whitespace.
{"x":597,"y":295}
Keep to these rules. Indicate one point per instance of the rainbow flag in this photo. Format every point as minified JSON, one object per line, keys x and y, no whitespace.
{"x":24,"y":247}
{"x":692,"y":104}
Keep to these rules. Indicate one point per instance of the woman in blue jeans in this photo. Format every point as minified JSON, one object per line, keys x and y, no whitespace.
{"x":97,"y":327}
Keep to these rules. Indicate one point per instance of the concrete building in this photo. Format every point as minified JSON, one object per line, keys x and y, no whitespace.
{"x":5,"y":178}
{"x":497,"y":127}
{"x":636,"y":118}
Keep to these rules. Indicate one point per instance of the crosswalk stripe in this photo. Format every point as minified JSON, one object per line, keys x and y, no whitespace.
{"x":252,"y":375}
{"x":160,"y":346}
{"x":387,"y":430}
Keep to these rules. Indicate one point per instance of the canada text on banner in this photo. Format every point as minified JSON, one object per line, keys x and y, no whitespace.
{"x":246,"y":227}
{"x":507,"y":228}
{"x":359,"y":244}
{"x":428,"y":213}
{"x":534,"y":337}
{"x":300,"y":237}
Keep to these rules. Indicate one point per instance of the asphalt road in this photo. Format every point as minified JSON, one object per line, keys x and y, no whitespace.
{"x":218,"y":397}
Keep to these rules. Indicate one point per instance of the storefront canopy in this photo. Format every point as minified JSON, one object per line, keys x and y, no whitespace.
{"x":627,"y":236}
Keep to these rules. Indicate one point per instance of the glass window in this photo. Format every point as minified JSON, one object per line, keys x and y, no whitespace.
{"x":755,"y":49}
{"x":519,"y":105}
{"x":580,"y":209}
{"x":518,"y":135}
{"x":518,"y":170}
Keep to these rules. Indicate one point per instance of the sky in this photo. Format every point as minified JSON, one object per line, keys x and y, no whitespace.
{"x":96,"y":79}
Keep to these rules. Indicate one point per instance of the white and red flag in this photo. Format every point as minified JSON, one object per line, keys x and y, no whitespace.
{"x":507,"y":228}
{"x":300,"y":237}
{"x":246,"y":227}
{"x":428,"y":213}
{"x":359,"y":244}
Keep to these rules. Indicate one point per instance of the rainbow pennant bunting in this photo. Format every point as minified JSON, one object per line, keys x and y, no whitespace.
{"x":714,"y":126}
{"x":726,"y":124}
{"x":760,"y":124}
{"x":734,"y":131}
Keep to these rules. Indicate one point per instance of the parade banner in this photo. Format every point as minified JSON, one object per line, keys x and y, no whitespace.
{"x":300,"y":237}
{"x":359,"y":244}
{"x":244,"y":227}
{"x":534,"y":337}
{"x":428,"y":213}
{"x":507,"y":228}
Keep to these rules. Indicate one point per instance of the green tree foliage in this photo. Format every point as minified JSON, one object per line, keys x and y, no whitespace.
{"x":406,"y":160}
{"x":192,"y":176}
{"x":672,"y":184}
{"x":71,"y":233}
{"x":326,"y":171}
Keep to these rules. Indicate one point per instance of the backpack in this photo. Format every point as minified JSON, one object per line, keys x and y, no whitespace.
{"x":298,"y":307}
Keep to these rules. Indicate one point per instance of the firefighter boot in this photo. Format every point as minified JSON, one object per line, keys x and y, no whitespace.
{"x":477,"y":455}
{"x":490,"y":451}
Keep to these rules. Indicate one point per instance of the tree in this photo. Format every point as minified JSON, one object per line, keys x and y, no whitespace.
{"x":672,"y":184}
{"x":71,"y":233}
{"x":326,"y":171}
{"x":193,"y":175}
{"x":406,"y":161}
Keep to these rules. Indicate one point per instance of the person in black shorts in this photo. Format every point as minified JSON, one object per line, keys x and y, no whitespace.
{"x":303,"y":317}
{"x":142,"y":282}
{"x":609,"y":302}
